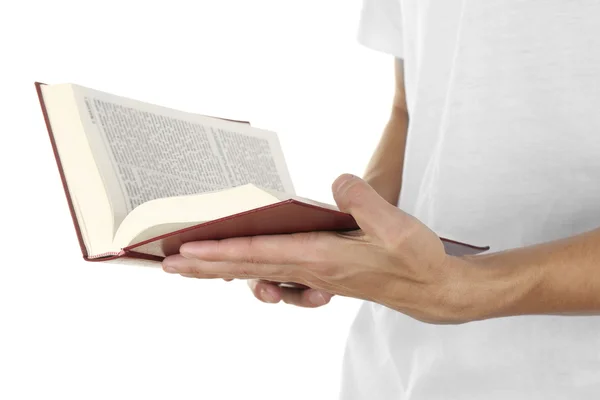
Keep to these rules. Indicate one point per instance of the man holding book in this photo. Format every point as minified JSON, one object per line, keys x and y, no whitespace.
{"x":501,"y":148}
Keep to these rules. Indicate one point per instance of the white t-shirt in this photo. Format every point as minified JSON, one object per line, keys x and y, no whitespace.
{"x":503,"y":150}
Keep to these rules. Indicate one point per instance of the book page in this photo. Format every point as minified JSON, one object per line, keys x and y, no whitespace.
{"x":146,"y":152}
{"x":162,"y":216}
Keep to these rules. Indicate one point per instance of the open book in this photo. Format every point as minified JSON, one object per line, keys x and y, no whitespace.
{"x":141,"y":179}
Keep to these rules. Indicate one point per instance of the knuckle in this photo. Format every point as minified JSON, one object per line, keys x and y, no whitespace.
{"x":249,"y":256}
{"x":314,"y":244}
{"x":243,"y":270}
{"x":257,"y":295}
{"x":219,"y":247}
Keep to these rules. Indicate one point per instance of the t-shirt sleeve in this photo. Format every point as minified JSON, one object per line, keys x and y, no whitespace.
{"x":380,"y":26}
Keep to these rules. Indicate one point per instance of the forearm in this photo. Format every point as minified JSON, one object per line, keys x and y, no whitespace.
{"x":384,"y":171}
{"x":560,"y":278}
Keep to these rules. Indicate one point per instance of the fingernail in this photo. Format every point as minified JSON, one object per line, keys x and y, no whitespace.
{"x":317,"y":298}
{"x":342,"y":182}
{"x":167,"y":267}
{"x":266,"y":296}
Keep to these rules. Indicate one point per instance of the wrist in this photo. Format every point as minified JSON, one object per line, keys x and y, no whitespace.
{"x":493,"y":286}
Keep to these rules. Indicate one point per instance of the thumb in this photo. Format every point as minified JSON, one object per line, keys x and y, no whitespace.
{"x":373,"y":213}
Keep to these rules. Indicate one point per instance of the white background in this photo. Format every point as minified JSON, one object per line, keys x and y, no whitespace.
{"x":76,"y":330}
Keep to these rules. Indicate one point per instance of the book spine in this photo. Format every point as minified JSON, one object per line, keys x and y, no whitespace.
{"x":105,"y":256}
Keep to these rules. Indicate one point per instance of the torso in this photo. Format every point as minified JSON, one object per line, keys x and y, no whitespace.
{"x":503,"y":150}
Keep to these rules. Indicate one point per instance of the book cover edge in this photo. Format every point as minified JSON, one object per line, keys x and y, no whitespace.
{"x":38,"y":86}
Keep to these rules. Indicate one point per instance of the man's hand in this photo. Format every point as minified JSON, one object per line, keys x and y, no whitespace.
{"x":383,"y":173}
{"x":394,"y":260}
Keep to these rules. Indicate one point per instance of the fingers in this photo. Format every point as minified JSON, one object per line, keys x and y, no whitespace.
{"x":270,"y":292}
{"x":289,"y":249}
{"x":373,"y":213}
{"x":308,"y":298}
{"x":177,"y":264}
{"x":265,"y":291}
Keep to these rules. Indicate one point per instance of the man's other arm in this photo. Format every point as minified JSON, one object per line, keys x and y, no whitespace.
{"x":384,"y":171}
